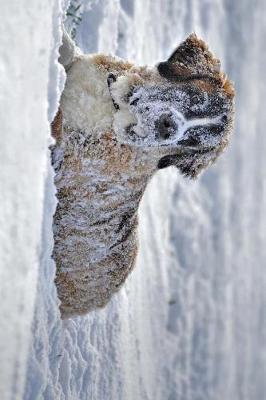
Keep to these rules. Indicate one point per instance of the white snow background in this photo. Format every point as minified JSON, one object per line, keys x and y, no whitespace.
{"x":190,"y":323}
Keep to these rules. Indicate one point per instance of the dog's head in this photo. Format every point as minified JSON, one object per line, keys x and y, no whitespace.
{"x":185,"y":109}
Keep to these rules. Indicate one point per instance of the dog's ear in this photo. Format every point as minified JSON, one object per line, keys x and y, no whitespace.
{"x":67,"y":51}
{"x":191,"y":58}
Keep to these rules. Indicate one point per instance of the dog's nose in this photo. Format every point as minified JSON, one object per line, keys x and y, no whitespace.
{"x":165,"y":126}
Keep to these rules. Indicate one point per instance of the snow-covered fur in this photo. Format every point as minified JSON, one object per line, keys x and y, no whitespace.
{"x":117,"y":124}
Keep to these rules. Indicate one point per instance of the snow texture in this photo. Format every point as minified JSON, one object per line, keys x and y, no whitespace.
{"x":190,"y":323}
{"x":28,"y":51}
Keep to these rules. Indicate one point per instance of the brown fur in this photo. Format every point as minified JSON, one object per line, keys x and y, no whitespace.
{"x":56,"y":126}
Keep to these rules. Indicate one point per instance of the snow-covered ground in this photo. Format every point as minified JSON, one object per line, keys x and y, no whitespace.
{"x":190,"y":323}
{"x":27,"y":38}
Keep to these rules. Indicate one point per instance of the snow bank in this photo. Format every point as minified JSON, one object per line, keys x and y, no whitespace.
{"x":27,"y":38}
{"x":190,"y":323}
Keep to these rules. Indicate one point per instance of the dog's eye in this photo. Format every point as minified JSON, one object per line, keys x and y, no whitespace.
{"x":134,"y":102}
{"x":129,"y":95}
{"x":224,"y":118}
{"x":195,"y":99}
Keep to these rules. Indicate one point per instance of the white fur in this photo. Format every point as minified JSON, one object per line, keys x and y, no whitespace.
{"x":86,"y":99}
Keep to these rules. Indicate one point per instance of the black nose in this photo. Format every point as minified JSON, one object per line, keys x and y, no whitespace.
{"x":165,"y":126}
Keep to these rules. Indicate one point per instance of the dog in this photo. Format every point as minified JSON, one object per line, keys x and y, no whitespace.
{"x":117,"y":125}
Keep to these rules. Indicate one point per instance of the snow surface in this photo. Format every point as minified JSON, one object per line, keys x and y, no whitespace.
{"x":190,"y":323}
{"x":25,"y":58}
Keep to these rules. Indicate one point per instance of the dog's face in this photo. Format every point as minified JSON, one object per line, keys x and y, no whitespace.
{"x":186,"y":111}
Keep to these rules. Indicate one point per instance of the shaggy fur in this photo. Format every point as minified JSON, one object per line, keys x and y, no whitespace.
{"x":117,"y":125}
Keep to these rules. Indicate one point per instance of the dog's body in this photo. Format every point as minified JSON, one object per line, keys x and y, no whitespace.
{"x":117,"y":125}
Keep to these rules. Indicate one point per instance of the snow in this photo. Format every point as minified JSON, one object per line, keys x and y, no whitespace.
{"x":190,"y":322}
{"x":24,"y":65}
